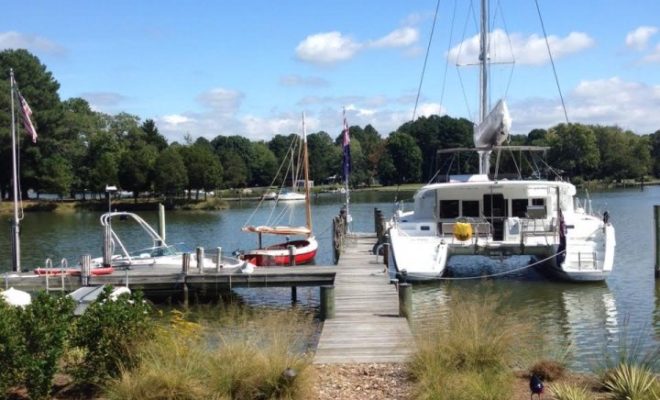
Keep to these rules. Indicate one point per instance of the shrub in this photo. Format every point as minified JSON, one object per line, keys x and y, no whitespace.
{"x":564,"y":391}
{"x":11,"y":348}
{"x":478,"y":341}
{"x":548,"y":370}
{"x":242,"y":355}
{"x":628,"y":381}
{"x":43,"y":326}
{"x":108,"y":334}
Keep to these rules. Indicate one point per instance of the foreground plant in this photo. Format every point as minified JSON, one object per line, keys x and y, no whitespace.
{"x":468,"y":353}
{"x":247,"y":355}
{"x":565,"y":391}
{"x":628,"y":381}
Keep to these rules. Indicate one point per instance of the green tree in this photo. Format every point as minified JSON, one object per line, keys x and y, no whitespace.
{"x":171,"y":175}
{"x":152,"y":136}
{"x":203,"y":167}
{"x":103,"y":158}
{"x":406,"y":156}
{"x":238,"y":146}
{"x":573,"y":149}
{"x":235,"y":171}
{"x":137,"y":168}
{"x":655,"y":152}
{"x":434,"y":133}
{"x":264,"y":165}
{"x":40,"y":89}
{"x":324,"y":156}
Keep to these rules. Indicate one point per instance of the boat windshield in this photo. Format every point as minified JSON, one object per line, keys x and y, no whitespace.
{"x":158,"y":251}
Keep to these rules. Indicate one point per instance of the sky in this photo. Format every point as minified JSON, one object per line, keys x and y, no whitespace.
{"x":252,"y":67}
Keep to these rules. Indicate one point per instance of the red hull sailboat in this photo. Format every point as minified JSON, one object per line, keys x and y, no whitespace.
{"x":292,"y":251}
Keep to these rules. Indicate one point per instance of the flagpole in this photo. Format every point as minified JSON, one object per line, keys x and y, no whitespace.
{"x":345,"y":132}
{"x":15,"y":229}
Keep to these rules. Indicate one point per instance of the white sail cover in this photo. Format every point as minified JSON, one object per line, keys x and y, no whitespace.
{"x":494,"y":129}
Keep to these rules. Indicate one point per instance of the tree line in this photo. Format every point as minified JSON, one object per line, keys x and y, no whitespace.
{"x":81,"y":150}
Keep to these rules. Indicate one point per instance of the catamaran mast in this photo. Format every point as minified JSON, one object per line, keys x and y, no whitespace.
{"x":15,"y":229}
{"x":484,"y":164}
{"x":308,"y":210}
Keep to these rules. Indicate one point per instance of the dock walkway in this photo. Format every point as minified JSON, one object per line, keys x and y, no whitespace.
{"x":366,"y":327}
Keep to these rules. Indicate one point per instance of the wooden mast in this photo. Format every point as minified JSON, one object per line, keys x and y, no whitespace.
{"x":308,"y":209}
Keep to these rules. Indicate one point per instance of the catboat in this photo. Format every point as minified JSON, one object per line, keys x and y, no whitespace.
{"x":291,"y":251}
{"x":489,"y":215}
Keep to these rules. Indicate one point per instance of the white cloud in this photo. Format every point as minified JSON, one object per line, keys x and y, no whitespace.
{"x":332,"y":47}
{"x":402,"y":37}
{"x":428,"y":109}
{"x":613,"y":101}
{"x":221,"y":100}
{"x":175,"y":119}
{"x":297,"y":80}
{"x":16,"y":40}
{"x":638,"y":39}
{"x":327,"y":48}
{"x":653,"y":56}
{"x":525,"y":50}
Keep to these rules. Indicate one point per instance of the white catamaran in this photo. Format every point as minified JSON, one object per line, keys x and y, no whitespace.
{"x":487,"y":215}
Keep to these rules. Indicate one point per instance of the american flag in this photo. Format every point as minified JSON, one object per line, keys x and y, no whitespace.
{"x":27,"y":120}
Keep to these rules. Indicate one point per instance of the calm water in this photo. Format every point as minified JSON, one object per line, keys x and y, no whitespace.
{"x":588,"y":318}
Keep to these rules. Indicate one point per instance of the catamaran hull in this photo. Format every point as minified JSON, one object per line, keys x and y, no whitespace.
{"x":304,"y":252}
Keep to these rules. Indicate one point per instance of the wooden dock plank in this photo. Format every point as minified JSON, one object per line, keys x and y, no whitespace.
{"x":366,"y":327}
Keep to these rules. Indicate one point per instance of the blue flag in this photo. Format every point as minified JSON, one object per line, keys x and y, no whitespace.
{"x":347,"y":151}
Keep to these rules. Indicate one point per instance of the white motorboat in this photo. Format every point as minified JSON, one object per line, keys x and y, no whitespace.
{"x":493,"y":216}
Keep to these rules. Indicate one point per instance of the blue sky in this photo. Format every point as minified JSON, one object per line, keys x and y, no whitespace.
{"x":252,"y":67}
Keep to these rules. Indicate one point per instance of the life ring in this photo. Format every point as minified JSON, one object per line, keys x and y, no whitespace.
{"x":462,"y":231}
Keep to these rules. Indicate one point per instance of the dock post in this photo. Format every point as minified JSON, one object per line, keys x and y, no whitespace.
{"x":327,"y":302}
{"x":386,"y":254}
{"x":218,"y":259}
{"x":199,"y":254}
{"x":405,"y":300}
{"x":161,"y":222}
{"x":107,"y":245}
{"x":292,"y":263}
{"x":185,"y":267}
{"x":85,"y":269}
{"x":656,"y":212}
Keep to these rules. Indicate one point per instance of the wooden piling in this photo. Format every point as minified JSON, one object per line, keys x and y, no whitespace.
{"x":656,"y":213}
{"x":292,"y":263}
{"x":327,"y":302}
{"x":161,"y":222}
{"x":199,"y":253}
{"x":185,"y":267}
{"x":85,"y":269}
{"x":218,"y":258}
{"x":405,"y":300}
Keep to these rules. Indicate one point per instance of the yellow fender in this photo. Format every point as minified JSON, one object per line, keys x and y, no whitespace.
{"x":462,"y":231}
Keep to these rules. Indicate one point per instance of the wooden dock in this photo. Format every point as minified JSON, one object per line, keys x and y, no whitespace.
{"x":366,"y":327}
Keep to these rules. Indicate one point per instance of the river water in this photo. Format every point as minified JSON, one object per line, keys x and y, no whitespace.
{"x":587,"y":319}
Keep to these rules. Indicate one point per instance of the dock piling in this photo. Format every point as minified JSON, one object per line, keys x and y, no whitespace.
{"x":85,"y":269}
{"x":327,"y":302}
{"x":292,"y":263}
{"x":199,"y":253}
{"x":218,"y":259}
{"x":405,"y":300}
{"x":656,"y":212}
{"x":185,"y":267}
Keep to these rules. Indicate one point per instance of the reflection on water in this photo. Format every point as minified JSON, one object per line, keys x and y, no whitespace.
{"x":589,"y":319}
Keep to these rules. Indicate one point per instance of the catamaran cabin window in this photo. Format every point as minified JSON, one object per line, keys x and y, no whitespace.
{"x":470,"y":208}
{"x":538,"y":202}
{"x":448,"y":208}
{"x":519,"y":207}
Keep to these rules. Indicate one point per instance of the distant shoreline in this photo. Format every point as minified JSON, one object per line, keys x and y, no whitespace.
{"x":223,"y":202}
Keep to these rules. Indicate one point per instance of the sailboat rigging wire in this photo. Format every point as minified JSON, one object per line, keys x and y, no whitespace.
{"x":552,"y":61}
{"x":460,"y":49}
{"x":451,"y":39}
{"x":426,"y":58}
{"x":513,"y":56}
